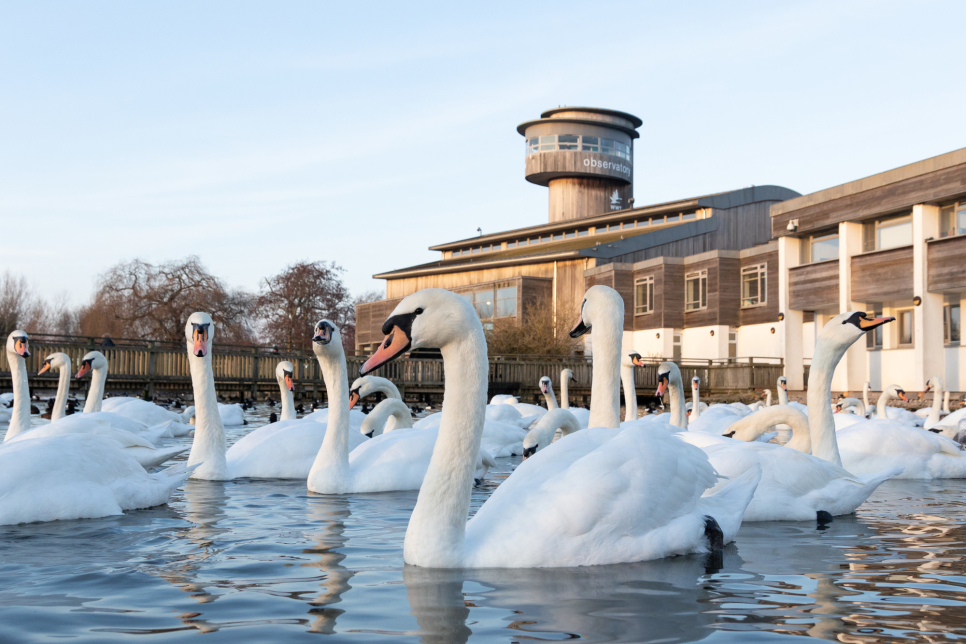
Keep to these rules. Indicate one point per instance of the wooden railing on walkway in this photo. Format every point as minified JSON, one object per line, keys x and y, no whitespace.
{"x":155,"y":368}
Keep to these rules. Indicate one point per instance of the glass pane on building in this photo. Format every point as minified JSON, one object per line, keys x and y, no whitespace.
{"x":905,"y":327}
{"x":484,"y":303}
{"x":567,"y":138}
{"x":825,"y":248}
{"x":506,"y":302}
{"x":893,"y":235}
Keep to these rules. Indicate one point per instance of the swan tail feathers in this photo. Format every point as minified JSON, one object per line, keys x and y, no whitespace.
{"x":876,"y":478}
{"x":727,"y":506}
{"x":487,"y":458}
{"x":713,"y":532}
{"x":175,"y":475}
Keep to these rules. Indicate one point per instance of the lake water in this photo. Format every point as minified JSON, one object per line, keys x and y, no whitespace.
{"x":261,"y":561}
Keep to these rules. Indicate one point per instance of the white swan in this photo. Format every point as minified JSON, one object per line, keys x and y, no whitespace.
{"x":695,"y":407}
{"x":545,"y":430}
{"x":60,"y":362}
{"x":872,"y":445}
{"x":396,"y":460}
{"x":141,"y":411}
{"x":284,"y":376}
{"x":17,"y":349}
{"x":283,"y":450}
{"x":568,"y":504}
{"x":628,"y":362}
{"x":884,"y":411}
{"x":546,"y":388}
{"x":376,"y":423}
{"x":582,"y":415}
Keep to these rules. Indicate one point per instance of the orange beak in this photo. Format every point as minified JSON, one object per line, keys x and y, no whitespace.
{"x":867,"y":324}
{"x":201,"y":344}
{"x":20,"y":345}
{"x":44,"y":369}
{"x":903,"y":396}
{"x":353,"y":398}
{"x":289,"y":383}
{"x":83,"y":371}
{"x":394,"y":345}
{"x":661,"y":388}
{"x":637,"y":362}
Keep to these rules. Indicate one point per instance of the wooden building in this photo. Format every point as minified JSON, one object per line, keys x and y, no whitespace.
{"x":693,"y":272}
{"x":892,"y":244}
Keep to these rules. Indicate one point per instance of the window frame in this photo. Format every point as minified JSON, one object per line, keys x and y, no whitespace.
{"x":952,"y":211}
{"x":762,"y":271}
{"x":948,"y":340}
{"x":648,"y":306}
{"x":900,"y":328}
{"x":497,"y":299}
{"x":702,"y":301}
{"x":888,"y":223}
{"x":811,"y":243}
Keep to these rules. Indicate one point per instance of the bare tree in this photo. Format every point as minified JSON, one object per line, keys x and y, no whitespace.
{"x":17,"y":303}
{"x":291,"y":302}
{"x":140,"y":300}
{"x":538,"y":333}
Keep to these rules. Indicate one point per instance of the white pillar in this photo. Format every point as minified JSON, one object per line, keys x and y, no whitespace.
{"x":791,"y":326}
{"x":852,"y":371}
{"x":928,"y":316}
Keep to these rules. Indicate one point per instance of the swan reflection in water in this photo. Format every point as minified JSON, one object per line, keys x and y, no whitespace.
{"x":651,"y":601}
{"x":328,"y":514}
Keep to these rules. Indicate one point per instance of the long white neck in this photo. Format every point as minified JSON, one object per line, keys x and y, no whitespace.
{"x":564,"y":390}
{"x":630,"y":392}
{"x":330,"y":473}
{"x":438,"y":523}
{"x":679,"y":411}
{"x":937,"y":398}
{"x":288,"y":400}
{"x":551,"y":398}
{"x":865,"y":395}
{"x":63,"y":387}
{"x":95,"y":393}
{"x":853,"y":402}
{"x":548,"y":425}
{"x":375,"y":421}
{"x":782,"y":396}
{"x":387,"y":387}
{"x":208,"y":447}
{"x":754,"y":425}
{"x":946,"y":403}
{"x":20,"y":420}
{"x":695,"y":401}
{"x":768,"y":398}
{"x":820,"y":421}
{"x":605,"y":394}
{"x":880,"y":406}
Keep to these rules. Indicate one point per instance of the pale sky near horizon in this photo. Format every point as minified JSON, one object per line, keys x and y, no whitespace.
{"x":258,"y":134}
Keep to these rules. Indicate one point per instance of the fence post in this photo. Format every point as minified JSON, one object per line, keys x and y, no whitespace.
{"x":151,"y":368}
{"x":254,"y":373}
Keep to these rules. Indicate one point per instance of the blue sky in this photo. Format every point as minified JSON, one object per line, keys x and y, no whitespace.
{"x":255,"y":134}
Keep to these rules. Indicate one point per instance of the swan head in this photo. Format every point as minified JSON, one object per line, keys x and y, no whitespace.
{"x":632,"y":359}
{"x":283,"y":373}
{"x":696,"y":383}
{"x":666,"y":373}
{"x":545,"y":384}
{"x":934,"y":384}
{"x":91,"y":360}
{"x":844,"y":329}
{"x":896,"y":391}
{"x":361,"y":387}
{"x":199,"y":331}
{"x":431,"y":318}
{"x":598,"y":301}
{"x":55,"y":361}
{"x":568,"y":374}
{"x":18,"y":343}
{"x":783,"y":382}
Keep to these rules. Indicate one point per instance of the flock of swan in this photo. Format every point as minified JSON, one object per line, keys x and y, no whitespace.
{"x":591,"y":489}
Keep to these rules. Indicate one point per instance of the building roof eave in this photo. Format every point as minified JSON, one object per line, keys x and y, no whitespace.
{"x":437,"y":268}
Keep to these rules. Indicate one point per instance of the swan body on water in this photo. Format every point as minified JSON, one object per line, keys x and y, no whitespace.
{"x":568,"y":504}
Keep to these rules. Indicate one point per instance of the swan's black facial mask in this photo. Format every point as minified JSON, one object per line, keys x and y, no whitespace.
{"x":399,"y":333}
{"x":529,"y":451}
{"x":287,"y":377}
{"x":581,"y":327}
{"x":662,"y":382}
{"x":84,"y":368}
{"x":636,"y":360}
{"x":46,"y":367}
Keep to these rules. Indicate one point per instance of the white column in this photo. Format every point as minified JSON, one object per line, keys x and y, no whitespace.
{"x":852,"y":371}
{"x":928,"y":316}
{"x":791,"y":326}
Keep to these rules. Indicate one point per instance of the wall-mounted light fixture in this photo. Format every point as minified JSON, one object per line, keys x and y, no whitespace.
{"x":712,"y":333}
{"x":657,"y":335}
{"x":773,"y":330}
{"x":917,"y":300}
{"x":781,"y":316}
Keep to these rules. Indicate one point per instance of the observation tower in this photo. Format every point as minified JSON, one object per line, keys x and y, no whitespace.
{"x":585,"y":155}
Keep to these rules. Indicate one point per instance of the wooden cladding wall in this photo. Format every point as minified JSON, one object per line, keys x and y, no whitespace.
{"x":769,"y":311}
{"x":946,"y":273}
{"x":668,"y":297}
{"x":369,"y":319}
{"x":814,"y":287}
{"x":620,"y":278}
{"x":883,"y":275}
{"x":925,"y":188}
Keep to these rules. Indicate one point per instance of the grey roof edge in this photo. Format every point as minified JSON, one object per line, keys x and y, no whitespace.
{"x":745,"y":196}
{"x":433,"y":268}
{"x":652,"y":239}
{"x":637,"y":121}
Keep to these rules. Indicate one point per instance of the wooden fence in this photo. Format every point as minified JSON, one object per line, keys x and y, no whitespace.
{"x":155,"y":369}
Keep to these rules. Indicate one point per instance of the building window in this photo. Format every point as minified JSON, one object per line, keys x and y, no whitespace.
{"x":696,"y":291}
{"x":905,"y":327}
{"x":590,"y":144}
{"x":506,"y":302}
{"x":820,"y":248}
{"x":643,"y":222}
{"x":644,"y":295}
{"x":753,"y":291}
{"x":952,"y":219}
{"x":570,"y":234}
{"x":577,"y":142}
{"x":690,"y":215}
{"x":483,"y":301}
{"x":893,"y":233}
{"x":951,"y":323}
{"x":673,"y":218}
{"x":557,"y":236}
{"x":583,"y":233}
